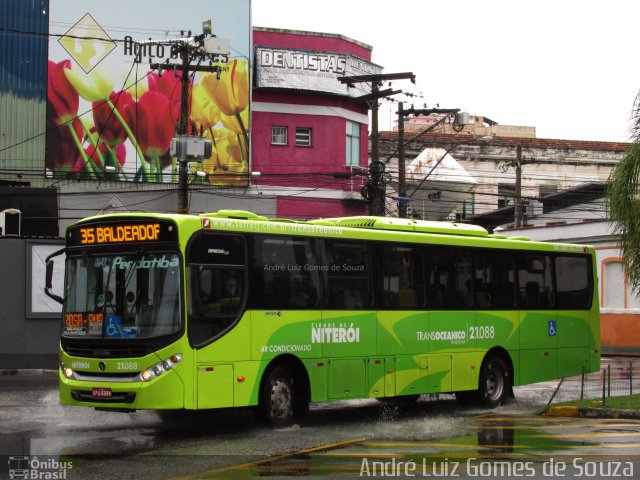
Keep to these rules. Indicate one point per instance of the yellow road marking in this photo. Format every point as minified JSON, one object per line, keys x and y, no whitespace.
{"x":275,"y":458}
{"x":417,"y":455}
{"x":525,"y":419}
{"x":537,"y":427}
{"x":588,"y":435}
{"x":434,"y":444}
{"x":620,"y":445}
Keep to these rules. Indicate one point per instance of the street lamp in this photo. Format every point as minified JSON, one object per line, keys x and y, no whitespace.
{"x":473,"y":138}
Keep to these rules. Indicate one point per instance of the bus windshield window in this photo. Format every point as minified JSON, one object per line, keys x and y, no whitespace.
{"x":123,"y":296}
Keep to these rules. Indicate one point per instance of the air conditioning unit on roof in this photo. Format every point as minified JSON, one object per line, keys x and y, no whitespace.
{"x":10,"y":220}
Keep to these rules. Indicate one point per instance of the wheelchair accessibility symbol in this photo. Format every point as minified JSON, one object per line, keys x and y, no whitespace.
{"x":112,"y":326}
{"x":552,"y":328}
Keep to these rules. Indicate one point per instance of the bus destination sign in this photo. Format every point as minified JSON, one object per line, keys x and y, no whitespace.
{"x":122,"y":232}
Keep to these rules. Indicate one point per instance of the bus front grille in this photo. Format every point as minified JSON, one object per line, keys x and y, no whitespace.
{"x":111,"y":351}
{"x":116,"y":397}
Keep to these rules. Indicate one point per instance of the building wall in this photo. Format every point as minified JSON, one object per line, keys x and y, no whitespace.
{"x":304,"y":166}
{"x":80,"y":202}
{"x":306,"y":208}
{"x":322,"y":166}
{"x":322,"y":42}
{"x":23,"y":81}
{"x":546,"y":162}
{"x":478,"y":125}
{"x":27,"y":340}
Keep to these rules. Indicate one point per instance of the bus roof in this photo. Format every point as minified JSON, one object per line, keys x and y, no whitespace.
{"x":457,"y":232}
{"x":405,"y":225}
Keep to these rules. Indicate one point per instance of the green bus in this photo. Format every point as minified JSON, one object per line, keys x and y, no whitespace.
{"x":232,"y":309}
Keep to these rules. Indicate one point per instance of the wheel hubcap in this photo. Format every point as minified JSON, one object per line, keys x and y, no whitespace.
{"x":280,"y":399}
{"x":494,"y":383}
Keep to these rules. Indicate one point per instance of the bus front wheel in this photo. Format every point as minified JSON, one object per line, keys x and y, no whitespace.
{"x":494,"y":383}
{"x":277,"y":400}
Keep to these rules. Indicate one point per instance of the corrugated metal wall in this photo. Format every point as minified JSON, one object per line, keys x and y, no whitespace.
{"x":24,"y":27}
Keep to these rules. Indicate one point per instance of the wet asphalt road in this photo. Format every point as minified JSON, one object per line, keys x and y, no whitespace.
{"x":433,"y":438}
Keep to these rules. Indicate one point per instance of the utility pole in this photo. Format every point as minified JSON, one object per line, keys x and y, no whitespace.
{"x":376,"y":192}
{"x":377,"y":181}
{"x":517,"y":165}
{"x":183,"y":126}
{"x":191,"y":148}
{"x":518,"y":188}
{"x":402,"y":178}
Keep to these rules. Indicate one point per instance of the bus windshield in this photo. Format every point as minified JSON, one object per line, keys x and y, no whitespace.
{"x":135,"y":295}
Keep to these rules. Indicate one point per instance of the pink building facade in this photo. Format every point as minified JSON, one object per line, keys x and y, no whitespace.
{"x":309,"y":133}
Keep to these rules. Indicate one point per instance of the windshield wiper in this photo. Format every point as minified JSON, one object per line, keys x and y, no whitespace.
{"x":139,"y":256}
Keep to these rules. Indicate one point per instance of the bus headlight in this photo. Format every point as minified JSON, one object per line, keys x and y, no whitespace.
{"x":66,"y":371}
{"x":158,"y":369}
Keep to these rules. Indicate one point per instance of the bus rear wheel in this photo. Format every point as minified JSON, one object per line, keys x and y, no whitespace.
{"x":277,"y":401}
{"x":494,"y":386}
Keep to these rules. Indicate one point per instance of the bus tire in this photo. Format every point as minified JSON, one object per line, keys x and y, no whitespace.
{"x":278,"y":399}
{"x":494,"y":384}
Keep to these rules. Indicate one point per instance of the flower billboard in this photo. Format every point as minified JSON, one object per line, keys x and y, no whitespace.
{"x":115,"y":90}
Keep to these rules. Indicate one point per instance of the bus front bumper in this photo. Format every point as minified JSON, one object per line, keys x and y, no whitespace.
{"x":163,"y":393}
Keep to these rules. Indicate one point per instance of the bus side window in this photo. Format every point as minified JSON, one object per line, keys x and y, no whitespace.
{"x":285,"y":273}
{"x":216,"y":285}
{"x":400,"y":277}
{"x":449,"y":284}
{"x":494,"y":279}
{"x":215,"y":300}
{"x":348,"y":276}
{"x":574,"y":282}
{"x":535,"y":281}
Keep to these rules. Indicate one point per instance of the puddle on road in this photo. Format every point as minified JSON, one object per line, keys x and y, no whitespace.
{"x":490,"y":438}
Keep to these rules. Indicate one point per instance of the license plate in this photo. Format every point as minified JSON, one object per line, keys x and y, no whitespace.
{"x":101,"y":393}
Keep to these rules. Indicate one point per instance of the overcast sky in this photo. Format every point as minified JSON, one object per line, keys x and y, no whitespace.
{"x":569,"y":68}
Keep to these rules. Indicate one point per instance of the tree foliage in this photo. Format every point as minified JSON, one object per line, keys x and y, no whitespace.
{"x":623,"y":201}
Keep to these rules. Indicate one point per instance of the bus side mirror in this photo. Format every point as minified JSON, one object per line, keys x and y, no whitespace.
{"x":48,"y":282}
{"x":49,"y":275}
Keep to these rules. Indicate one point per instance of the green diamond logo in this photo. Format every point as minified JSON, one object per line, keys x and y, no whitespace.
{"x":87,"y":43}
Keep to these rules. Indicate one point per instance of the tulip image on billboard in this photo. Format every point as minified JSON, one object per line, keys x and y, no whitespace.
{"x":110,"y":116}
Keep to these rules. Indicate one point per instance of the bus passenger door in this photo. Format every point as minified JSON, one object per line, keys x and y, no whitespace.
{"x":539,"y":347}
{"x":348,"y":330}
{"x":538,"y":319}
{"x":217,"y":281}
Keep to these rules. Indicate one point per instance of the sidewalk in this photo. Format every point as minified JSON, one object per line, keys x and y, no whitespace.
{"x":28,"y":372}
{"x":620,"y":352}
{"x":573,"y":411}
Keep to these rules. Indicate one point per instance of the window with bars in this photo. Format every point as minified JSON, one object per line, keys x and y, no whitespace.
{"x":303,"y":137}
{"x":278,"y":135}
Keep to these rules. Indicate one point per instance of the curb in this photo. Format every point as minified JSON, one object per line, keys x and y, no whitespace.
{"x":609,"y":413}
{"x":34,"y":372}
{"x":573,"y":411}
{"x":563,"y":411}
